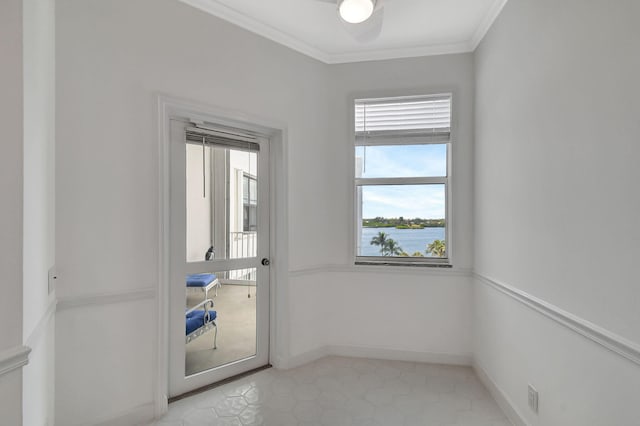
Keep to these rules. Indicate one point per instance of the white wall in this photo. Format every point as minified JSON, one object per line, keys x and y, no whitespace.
{"x":112,"y":58}
{"x":109,"y":70}
{"x":556,"y":204}
{"x":11,"y":114}
{"x":38,"y":250}
{"x":425,"y":313}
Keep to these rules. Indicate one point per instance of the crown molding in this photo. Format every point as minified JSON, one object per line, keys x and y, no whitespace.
{"x":405,"y":52}
{"x":486,"y":23}
{"x":231,"y":15}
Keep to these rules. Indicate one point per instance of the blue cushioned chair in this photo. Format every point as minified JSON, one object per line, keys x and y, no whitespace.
{"x":200,"y":319}
{"x":203,"y":282}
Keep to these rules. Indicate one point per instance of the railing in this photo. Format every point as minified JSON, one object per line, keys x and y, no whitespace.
{"x":243,"y":245}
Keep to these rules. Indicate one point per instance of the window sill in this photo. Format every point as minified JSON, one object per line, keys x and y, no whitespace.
{"x":401,"y":263}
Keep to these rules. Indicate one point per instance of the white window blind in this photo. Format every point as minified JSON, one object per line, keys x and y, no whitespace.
{"x":406,"y":116}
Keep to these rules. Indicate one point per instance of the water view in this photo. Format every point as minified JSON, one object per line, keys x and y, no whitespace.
{"x":410,"y":240}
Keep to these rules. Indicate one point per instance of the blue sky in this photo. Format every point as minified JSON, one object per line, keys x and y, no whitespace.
{"x":424,"y":201}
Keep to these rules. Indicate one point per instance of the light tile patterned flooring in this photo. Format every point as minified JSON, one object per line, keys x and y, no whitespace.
{"x":337,"y":391}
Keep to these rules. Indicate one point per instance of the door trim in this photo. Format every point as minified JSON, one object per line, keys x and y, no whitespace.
{"x":276,"y":131}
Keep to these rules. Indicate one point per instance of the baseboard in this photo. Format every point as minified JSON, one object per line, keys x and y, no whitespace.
{"x":140,"y":415}
{"x":304,"y":358}
{"x":499,"y":396}
{"x":373,"y":352}
{"x":161,"y":406}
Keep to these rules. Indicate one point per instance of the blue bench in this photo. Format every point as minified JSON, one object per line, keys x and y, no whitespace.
{"x":203,"y":282}
{"x":200,"y":319}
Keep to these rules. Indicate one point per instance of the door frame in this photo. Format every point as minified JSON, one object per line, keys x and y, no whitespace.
{"x":168,"y":107}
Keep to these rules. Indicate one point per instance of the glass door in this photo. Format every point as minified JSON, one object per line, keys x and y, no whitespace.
{"x":219,"y":289}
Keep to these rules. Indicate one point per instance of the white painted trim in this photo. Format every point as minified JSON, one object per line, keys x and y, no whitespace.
{"x":499,"y":396}
{"x":304,"y":358}
{"x":230,"y":15}
{"x":250,"y":24}
{"x":400,"y":355}
{"x":170,"y":106}
{"x":13,"y":358}
{"x":486,"y":23}
{"x":616,"y":344}
{"x":38,"y":331}
{"x":405,"y":52}
{"x":382,"y":269}
{"x":105,"y":298}
{"x":373,"y":352}
{"x":140,"y":415}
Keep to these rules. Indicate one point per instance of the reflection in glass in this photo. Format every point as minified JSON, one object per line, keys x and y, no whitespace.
{"x":222,"y":202}
{"x":226,"y":299}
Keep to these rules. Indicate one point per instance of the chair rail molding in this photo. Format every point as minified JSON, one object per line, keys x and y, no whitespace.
{"x":616,"y":344}
{"x":79,"y":301}
{"x":39,"y":330}
{"x":380,"y":269}
{"x":13,"y":358}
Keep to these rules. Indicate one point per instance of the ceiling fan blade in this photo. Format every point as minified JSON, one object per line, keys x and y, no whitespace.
{"x":368,"y":30}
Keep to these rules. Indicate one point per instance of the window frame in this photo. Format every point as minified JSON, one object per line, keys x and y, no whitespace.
{"x":408,"y":139}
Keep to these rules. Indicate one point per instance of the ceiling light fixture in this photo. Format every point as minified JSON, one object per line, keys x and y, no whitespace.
{"x":355,"y":11}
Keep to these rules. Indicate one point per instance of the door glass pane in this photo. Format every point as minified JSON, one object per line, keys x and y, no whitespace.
{"x":220,"y":319}
{"x":222,"y":203}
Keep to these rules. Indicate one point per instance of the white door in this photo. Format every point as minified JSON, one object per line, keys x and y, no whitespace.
{"x":219,"y":254}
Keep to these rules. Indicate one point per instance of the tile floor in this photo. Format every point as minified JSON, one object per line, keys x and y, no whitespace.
{"x":336,"y":391}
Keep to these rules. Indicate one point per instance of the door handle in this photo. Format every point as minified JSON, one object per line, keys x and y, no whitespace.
{"x":265,"y":261}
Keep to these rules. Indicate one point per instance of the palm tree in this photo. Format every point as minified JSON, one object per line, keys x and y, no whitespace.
{"x":381,"y":240}
{"x":437,"y":248}
{"x":388,"y":246}
{"x":393,"y":249}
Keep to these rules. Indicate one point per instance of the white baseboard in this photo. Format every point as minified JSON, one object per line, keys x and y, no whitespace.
{"x":140,"y":415}
{"x":161,"y":406}
{"x":399,"y":354}
{"x":378,"y":353}
{"x":500,"y":397}
{"x":304,"y":358}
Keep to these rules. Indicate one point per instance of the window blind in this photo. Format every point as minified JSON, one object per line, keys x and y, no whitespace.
{"x":237,"y":142}
{"x":408,"y":116}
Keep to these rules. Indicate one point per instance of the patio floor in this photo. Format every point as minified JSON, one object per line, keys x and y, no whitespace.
{"x":236,"y":330}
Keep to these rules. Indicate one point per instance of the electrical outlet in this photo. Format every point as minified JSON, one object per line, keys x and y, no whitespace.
{"x":533,"y":398}
{"x":53,"y":276}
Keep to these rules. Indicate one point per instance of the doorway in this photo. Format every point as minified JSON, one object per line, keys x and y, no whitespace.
{"x":219,"y":253}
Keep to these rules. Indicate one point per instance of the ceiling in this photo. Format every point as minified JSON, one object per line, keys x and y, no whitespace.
{"x":411,"y":27}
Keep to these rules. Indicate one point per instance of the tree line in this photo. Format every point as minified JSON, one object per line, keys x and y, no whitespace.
{"x":402,"y":223}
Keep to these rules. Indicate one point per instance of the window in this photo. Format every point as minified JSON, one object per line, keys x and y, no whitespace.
{"x":402,"y":149}
{"x":249,"y":203}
